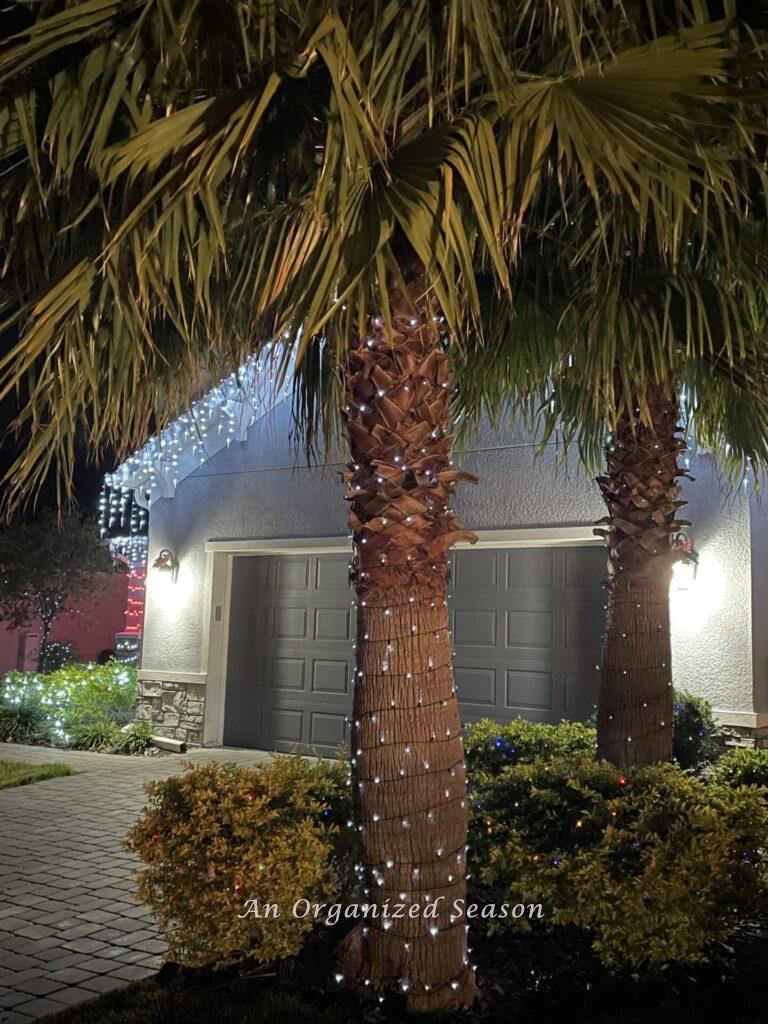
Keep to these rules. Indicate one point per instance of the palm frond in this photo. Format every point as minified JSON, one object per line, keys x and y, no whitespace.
{"x":186,"y":181}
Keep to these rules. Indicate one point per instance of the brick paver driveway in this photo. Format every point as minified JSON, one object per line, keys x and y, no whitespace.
{"x":69,"y":928}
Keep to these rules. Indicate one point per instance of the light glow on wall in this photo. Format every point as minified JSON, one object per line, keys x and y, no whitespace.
{"x":693,"y":602}
{"x":169,"y":594}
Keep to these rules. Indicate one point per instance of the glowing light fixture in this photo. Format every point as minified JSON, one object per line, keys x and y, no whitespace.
{"x":688,"y":564}
{"x":166,"y":562}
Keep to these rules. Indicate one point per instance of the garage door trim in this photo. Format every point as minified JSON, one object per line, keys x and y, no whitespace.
{"x":524,"y":537}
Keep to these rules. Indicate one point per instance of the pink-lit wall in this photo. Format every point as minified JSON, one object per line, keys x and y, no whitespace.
{"x":91,"y":632}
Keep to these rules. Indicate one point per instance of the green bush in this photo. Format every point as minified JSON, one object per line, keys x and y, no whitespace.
{"x":743,"y":767}
{"x":220,"y":835}
{"x":697,"y":740}
{"x":652,"y":863}
{"x":98,"y":732}
{"x":75,"y":695}
{"x":133,"y":740}
{"x":489,"y":746}
{"x":23,"y":717}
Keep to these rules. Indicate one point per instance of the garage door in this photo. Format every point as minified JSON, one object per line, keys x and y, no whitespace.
{"x":526,"y":625}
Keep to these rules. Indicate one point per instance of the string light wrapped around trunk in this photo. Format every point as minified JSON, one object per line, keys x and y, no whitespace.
{"x":409,"y":779}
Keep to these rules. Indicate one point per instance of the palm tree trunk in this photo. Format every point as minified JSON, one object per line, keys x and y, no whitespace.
{"x":408,"y":760}
{"x":640,"y":488}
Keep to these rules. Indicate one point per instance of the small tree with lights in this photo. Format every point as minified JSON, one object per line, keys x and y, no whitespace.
{"x":49,"y":567}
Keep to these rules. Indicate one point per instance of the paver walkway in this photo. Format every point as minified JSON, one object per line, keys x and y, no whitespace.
{"x":69,"y":928}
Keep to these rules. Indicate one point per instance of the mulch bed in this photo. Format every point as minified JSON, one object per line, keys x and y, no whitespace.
{"x":537,"y":979}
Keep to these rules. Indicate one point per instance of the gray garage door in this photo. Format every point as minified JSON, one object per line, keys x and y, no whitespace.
{"x":526,"y":625}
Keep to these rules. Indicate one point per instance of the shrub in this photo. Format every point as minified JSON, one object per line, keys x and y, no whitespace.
{"x":653,"y":863}
{"x":23,"y":717}
{"x":697,"y":740}
{"x":133,"y":740}
{"x":220,"y":835}
{"x":95,"y":733}
{"x":745,"y":766}
{"x":76,"y":694}
{"x":489,"y":747}
{"x":56,"y":655}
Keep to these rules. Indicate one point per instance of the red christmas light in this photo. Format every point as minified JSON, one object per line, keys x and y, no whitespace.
{"x":134,"y":609}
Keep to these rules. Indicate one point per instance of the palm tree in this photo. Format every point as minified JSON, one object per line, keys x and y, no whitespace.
{"x":626,"y":365}
{"x":186,"y":182}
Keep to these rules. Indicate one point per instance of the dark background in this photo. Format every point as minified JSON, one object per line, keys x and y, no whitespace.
{"x":89,"y":474}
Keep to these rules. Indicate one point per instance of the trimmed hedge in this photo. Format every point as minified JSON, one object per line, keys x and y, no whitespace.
{"x":653,"y":863}
{"x":490,"y":746}
{"x":220,"y":835}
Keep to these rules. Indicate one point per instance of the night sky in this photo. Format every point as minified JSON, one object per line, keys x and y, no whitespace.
{"x":88,"y":475}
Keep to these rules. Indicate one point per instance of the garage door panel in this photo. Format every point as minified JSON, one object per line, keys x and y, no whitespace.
{"x":474,"y":627}
{"x":526,"y":627}
{"x":529,"y":689}
{"x":580,"y":565}
{"x":286,"y":724}
{"x":332,"y":677}
{"x":475,"y":686}
{"x":248,"y":620}
{"x":333,"y":624}
{"x":332,"y":574}
{"x":530,"y":629}
{"x":292,"y":573}
{"x":531,"y":568}
{"x":475,"y":570}
{"x":580,"y":636}
{"x":287,"y":673}
{"x":327,"y":730}
{"x":581,"y":694}
{"x":289,"y":623}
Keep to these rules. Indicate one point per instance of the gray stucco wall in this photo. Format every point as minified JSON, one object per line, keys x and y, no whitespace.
{"x":254,"y":489}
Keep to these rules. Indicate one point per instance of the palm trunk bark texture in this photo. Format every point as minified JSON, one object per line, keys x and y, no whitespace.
{"x":641,"y":491}
{"x":407,"y":755}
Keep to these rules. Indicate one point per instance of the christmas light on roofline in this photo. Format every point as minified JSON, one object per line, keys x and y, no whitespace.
{"x":223,"y":415}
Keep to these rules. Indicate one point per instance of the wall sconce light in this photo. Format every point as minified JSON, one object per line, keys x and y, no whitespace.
{"x":688,"y":561}
{"x":166,"y":562}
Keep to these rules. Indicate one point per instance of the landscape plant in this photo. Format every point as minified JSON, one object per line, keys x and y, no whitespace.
{"x":743,"y":766}
{"x":218,"y":836}
{"x":698,"y":740}
{"x":133,"y":739}
{"x":94,"y":732}
{"x":490,"y":746}
{"x":653,"y":864}
{"x":34,"y":705}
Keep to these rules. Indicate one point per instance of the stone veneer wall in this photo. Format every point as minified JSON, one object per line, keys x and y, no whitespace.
{"x":175,"y":710}
{"x":745,"y":736}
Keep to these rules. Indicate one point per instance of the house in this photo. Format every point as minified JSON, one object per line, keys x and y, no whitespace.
{"x":89,"y":627}
{"x":249,"y":620}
